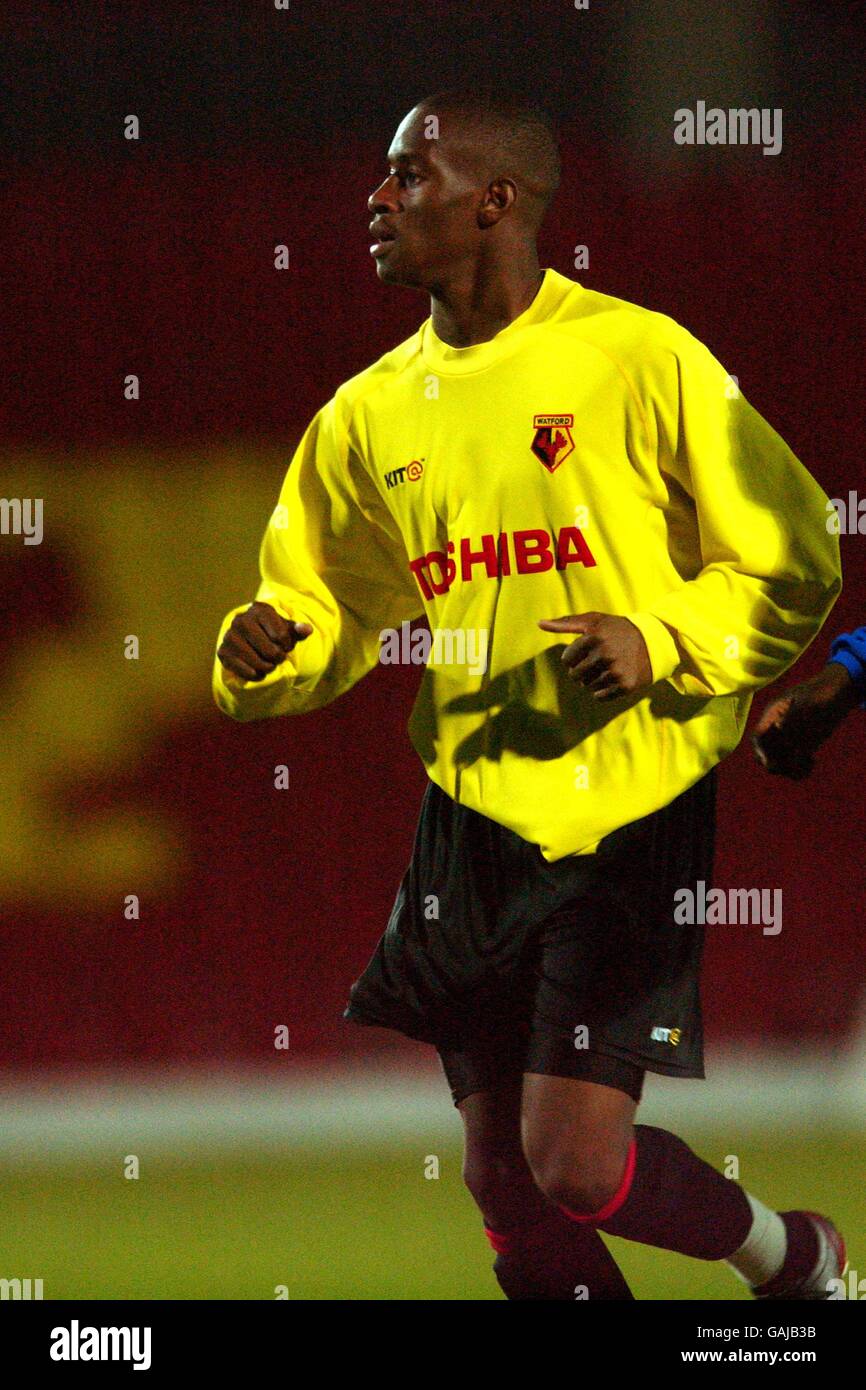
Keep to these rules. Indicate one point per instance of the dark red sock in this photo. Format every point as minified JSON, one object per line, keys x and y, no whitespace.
{"x":675,"y":1201}
{"x":556,"y":1258}
{"x":800,"y":1256}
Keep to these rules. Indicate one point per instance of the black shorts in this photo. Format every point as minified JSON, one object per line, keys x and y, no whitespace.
{"x":508,"y":963}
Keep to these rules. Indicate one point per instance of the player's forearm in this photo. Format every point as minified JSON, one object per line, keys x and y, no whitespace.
{"x":736,"y":632}
{"x":768,"y":582}
{"x":335,"y":651}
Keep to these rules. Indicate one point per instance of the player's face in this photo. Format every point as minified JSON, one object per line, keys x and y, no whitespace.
{"x":424,"y":213}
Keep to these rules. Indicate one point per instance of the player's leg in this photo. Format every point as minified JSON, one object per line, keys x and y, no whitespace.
{"x":577,"y":1139}
{"x":494,"y":1168}
{"x":639,"y":1182}
{"x":540,"y":1252}
{"x":617,"y":981}
{"x":645,"y":1184}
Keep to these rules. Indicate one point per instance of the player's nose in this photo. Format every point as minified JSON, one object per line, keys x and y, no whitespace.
{"x":382,"y":199}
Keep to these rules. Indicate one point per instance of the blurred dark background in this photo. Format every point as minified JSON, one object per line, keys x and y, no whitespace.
{"x":155,"y":257}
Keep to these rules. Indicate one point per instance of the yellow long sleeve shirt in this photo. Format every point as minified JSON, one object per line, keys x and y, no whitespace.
{"x":592,"y":456}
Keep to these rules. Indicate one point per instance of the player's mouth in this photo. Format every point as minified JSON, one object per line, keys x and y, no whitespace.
{"x":384,"y":237}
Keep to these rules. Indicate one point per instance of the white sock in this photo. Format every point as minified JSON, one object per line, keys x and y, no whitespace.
{"x":762,"y":1253}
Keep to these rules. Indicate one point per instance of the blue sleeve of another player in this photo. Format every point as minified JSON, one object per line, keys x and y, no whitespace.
{"x":849,"y":650}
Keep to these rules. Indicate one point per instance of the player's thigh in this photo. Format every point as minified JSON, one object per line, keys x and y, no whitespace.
{"x":491,"y":1125}
{"x":576,"y":1136}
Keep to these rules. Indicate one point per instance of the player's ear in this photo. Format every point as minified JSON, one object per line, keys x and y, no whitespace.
{"x":498,"y":198}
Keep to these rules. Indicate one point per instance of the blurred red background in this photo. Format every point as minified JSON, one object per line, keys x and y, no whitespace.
{"x":160,"y":263}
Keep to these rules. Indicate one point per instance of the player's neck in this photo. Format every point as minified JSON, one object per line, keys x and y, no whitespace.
{"x":478,"y":303}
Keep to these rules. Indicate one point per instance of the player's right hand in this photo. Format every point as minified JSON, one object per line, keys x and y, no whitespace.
{"x":258,"y":640}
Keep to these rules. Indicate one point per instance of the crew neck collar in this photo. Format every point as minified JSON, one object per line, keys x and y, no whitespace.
{"x":454,"y":361}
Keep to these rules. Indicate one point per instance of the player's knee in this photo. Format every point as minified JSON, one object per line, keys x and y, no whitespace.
{"x":580,"y":1190}
{"x":580,"y":1177}
{"x":495,"y":1182}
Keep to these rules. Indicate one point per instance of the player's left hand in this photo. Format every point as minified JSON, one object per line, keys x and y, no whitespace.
{"x":609,"y":658}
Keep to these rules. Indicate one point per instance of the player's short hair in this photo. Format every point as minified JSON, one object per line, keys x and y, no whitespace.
{"x":517,"y":137}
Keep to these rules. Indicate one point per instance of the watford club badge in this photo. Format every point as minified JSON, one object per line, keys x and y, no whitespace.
{"x":552,"y":442}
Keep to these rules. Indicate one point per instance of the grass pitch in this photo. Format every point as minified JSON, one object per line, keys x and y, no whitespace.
{"x":337,"y":1225}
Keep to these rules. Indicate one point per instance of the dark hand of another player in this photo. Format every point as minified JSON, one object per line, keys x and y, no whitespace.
{"x":609,"y":658}
{"x":792,"y":728}
{"x":258,"y":640}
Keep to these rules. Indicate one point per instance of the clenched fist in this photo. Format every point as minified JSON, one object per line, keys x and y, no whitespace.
{"x":609,"y":657}
{"x":258,"y":640}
